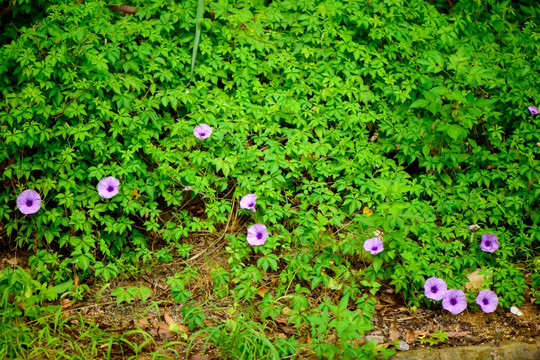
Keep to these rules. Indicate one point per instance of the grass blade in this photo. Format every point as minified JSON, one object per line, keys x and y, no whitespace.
{"x":200,"y":10}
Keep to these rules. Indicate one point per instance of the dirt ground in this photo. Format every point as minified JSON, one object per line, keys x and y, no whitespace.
{"x":392,"y":320}
{"x":396,"y":322}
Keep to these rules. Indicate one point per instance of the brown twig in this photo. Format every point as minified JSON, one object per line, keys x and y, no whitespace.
{"x":126,"y":9}
{"x":4,"y":12}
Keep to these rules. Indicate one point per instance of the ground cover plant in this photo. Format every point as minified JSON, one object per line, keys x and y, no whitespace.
{"x":328,"y":149}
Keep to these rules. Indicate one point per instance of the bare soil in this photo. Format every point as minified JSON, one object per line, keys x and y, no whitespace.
{"x":392,"y":321}
{"x":396,"y":322}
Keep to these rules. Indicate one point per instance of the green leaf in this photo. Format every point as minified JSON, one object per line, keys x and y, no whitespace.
{"x":421,"y":103}
{"x":426,"y":149}
{"x":446,"y":178}
{"x":377,"y":263}
{"x":455,"y":131}
{"x":200,"y":10}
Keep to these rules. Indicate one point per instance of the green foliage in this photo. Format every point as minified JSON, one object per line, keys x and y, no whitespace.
{"x":328,"y":111}
{"x":57,"y":336}
{"x":434,"y":339}
{"x":17,"y":286}
{"x":240,"y":338}
{"x":131,"y":293}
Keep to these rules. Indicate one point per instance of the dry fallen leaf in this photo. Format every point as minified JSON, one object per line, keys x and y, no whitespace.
{"x":457,"y":333}
{"x":164,"y":332}
{"x":182,"y":329}
{"x":410,"y":336}
{"x":66,"y":303}
{"x":287,"y":329}
{"x":143,"y":323}
{"x":77,"y":281}
{"x":205,"y":357}
{"x":262,"y":291}
{"x":197,"y":357}
{"x":387,"y":298}
{"x":168,"y":319}
{"x":332,"y":339}
{"x":286,"y":311}
{"x":394,"y":333}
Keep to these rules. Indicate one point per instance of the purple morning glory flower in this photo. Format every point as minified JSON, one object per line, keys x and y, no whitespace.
{"x":29,"y":202}
{"x":455,"y":301}
{"x":373,"y":245}
{"x":533,"y":110}
{"x":489,"y":243}
{"x":248,"y":202}
{"x":487,"y":300}
{"x":257,"y":234}
{"x":202,"y":131}
{"x":435,"y":288}
{"x":108,"y":187}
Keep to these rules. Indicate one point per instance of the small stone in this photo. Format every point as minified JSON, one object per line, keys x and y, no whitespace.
{"x":378,"y":339}
{"x":476,"y":280}
{"x":403,"y":346}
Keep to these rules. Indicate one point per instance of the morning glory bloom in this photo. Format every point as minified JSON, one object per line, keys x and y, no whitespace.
{"x":248,"y":202}
{"x":257,"y":234}
{"x":533,"y":110}
{"x":202,"y":131}
{"x":373,"y":245}
{"x":108,"y":187}
{"x":455,"y":301}
{"x":487,"y":300}
{"x":435,"y":288}
{"x":29,"y":202}
{"x":489,"y":243}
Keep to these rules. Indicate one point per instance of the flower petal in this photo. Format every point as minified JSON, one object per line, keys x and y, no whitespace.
{"x":487,"y":300}
{"x":108,"y":187}
{"x":202,"y":131}
{"x":435,"y":288}
{"x":29,"y":202}
{"x":248,"y":201}
{"x":454,"y":301}
{"x":374,"y":245}
{"x":253,"y":233}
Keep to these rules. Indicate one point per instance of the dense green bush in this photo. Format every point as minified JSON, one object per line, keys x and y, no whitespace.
{"x":328,"y":111}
